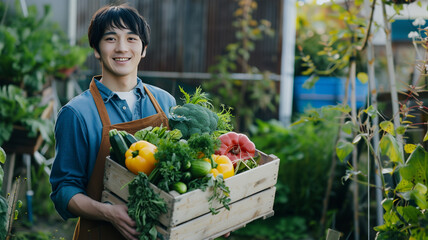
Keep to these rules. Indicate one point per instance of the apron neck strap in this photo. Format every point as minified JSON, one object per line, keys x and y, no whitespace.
{"x":102,"y":110}
{"x":154,"y":102}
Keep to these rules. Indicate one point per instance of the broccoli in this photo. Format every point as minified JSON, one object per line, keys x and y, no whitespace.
{"x":192,"y":118}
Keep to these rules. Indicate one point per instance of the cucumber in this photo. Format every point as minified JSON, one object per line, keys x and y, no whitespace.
{"x":200,"y":168}
{"x":119,"y":146}
{"x":129,"y":138}
{"x":180,"y":187}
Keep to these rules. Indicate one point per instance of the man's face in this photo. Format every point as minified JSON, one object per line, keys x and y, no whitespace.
{"x":120,"y":53}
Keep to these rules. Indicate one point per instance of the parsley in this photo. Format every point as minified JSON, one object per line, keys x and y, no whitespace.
{"x":145,"y":206}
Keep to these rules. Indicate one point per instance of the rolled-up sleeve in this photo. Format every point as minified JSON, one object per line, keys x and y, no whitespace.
{"x":69,"y":170}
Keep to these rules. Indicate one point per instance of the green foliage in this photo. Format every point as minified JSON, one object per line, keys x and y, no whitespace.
{"x":18,"y":109}
{"x":3,"y":217}
{"x":328,"y":37}
{"x":33,"y":48}
{"x":246,"y":96}
{"x":405,"y":203}
{"x":42,"y":189}
{"x":307,"y":147}
{"x":38,"y":235}
{"x":275,"y":228}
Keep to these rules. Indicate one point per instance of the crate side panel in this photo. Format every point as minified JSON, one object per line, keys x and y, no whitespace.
{"x":241,"y":212}
{"x":116,"y":178}
{"x":195,"y":203}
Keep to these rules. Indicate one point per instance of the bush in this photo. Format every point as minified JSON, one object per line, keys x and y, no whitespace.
{"x":305,"y":151}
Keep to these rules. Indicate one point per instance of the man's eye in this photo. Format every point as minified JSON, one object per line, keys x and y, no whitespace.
{"x":109,"y":39}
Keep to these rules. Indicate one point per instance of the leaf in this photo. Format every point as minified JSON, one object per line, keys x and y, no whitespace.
{"x":356,"y":139}
{"x":363,"y":77}
{"x":401,"y":130}
{"x":2,"y":156}
{"x":347,"y":127}
{"x":409,"y":148}
{"x":416,"y":168}
{"x":388,"y":127}
{"x":419,"y":197}
{"x":389,"y":147}
{"x":426,"y":136}
{"x":371,"y":111}
{"x":387,"y":204}
{"x":404,"y":186}
{"x":343,"y":149}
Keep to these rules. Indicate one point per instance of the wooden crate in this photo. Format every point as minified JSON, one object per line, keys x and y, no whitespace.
{"x":252,"y":195}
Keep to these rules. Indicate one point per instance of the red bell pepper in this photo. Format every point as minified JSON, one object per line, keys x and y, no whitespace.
{"x":236,"y":146}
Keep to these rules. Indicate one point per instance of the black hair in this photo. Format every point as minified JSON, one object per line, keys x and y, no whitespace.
{"x":120,"y":16}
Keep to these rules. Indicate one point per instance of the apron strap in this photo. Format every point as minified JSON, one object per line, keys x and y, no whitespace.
{"x":102,"y":110}
{"x":153,"y":99}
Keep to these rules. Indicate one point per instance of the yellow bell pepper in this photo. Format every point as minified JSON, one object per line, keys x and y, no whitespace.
{"x":140,"y":157}
{"x":224,"y":166}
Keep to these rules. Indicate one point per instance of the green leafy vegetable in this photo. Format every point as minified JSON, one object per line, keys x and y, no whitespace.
{"x":171,"y":156}
{"x":145,"y":206}
{"x":204,"y":143}
{"x":155,"y":134}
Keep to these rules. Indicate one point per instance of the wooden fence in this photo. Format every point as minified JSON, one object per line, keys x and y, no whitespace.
{"x":187,"y":35}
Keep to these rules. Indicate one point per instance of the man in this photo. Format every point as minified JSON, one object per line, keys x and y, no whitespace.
{"x":116,"y":99}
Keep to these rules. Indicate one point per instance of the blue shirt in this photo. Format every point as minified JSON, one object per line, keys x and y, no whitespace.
{"x":78,"y":136}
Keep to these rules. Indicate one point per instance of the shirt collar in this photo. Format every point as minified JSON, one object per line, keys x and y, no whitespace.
{"x":107,"y":94}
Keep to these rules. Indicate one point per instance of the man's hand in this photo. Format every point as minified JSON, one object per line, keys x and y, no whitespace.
{"x":82,"y":205}
{"x":121,"y":221}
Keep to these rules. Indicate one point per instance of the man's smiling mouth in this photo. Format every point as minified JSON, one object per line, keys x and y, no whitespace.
{"x":121,"y":59}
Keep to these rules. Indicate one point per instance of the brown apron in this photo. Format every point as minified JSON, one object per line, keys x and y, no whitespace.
{"x":100,"y":230}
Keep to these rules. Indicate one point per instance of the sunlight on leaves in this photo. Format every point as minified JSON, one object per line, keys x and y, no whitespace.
{"x":426,"y":136}
{"x":363,"y":77}
{"x":389,"y":147}
{"x":409,"y":148}
{"x":388,"y":127}
{"x":356,"y":139}
{"x":414,"y":172}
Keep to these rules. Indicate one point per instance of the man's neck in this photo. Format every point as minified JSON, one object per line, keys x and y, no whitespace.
{"x":119,"y":84}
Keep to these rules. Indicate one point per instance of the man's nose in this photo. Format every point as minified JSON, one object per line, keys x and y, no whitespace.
{"x":122,"y":46}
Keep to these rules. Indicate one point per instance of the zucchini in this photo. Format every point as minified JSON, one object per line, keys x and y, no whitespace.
{"x":118,"y":145}
{"x":129,"y":138}
{"x":200,"y":168}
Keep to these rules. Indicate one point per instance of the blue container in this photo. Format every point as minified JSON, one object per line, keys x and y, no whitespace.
{"x":361,"y":91}
{"x":326,"y":91}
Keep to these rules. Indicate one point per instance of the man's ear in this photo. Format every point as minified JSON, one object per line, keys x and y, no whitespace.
{"x":144,"y":52}
{"x":97,"y":54}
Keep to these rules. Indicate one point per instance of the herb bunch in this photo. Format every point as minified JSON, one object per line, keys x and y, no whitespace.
{"x":145,"y":206}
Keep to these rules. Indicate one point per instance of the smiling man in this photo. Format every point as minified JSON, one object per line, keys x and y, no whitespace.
{"x":117,"y":99}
